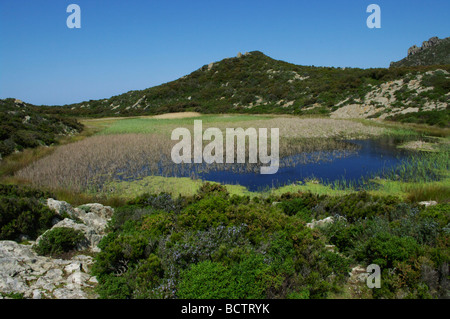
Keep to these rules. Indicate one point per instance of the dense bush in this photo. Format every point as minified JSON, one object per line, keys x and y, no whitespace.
{"x":439,"y":118}
{"x":219,"y":246}
{"x":22,"y":213}
{"x":25,"y":126}
{"x":259,"y":250}
{"x":58,"y":241}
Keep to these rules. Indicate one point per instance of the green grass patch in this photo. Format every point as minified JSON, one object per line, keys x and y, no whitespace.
{"x":177,"y":186}
{"x":157,"y":126}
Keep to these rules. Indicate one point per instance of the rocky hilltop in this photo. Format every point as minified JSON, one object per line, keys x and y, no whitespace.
{"x":410,"y":94}
{"x":434,"y":51}
{"x":426,"y":44}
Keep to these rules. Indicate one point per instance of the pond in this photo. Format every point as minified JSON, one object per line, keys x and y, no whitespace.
{"x":371,"y":158}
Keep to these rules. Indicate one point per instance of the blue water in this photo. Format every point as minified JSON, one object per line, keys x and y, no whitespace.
{"x":371,"y":159}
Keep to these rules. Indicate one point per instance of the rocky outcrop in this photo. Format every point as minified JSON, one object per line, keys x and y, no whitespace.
{"x":24,"y":272}
{"x":434,"y":51}
{"x":425,"y":45}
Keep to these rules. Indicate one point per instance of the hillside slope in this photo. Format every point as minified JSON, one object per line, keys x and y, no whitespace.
{"x":256,"y":83}
{"x":23,"y":126}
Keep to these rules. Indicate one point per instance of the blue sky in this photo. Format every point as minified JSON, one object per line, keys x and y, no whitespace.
{"x":136,"y":44}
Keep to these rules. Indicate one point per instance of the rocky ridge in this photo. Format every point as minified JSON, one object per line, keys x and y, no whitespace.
{"x":434,"y":51}
{"x":425,"y":45}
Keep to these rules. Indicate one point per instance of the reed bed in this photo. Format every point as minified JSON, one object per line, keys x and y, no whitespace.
{"x":89,"y":164}
{"x":316,"y":128}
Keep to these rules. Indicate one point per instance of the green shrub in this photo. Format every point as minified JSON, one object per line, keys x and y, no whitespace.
{"x":248,"y":279}
{"x":439,"y":118}
{"x":206,"y":280}
{"x":24,"y":126}
{"x":23,"y":216}
{"x":384,"y":249}
{"x":59,"y":240}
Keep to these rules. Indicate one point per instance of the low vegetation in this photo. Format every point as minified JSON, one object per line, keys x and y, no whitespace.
{"x":437,"y":118}
{"x":217,"y":245}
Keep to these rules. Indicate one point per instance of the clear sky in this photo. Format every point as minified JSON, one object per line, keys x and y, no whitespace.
{"x":136,"y":44}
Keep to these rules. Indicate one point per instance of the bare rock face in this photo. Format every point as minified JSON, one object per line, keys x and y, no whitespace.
{"x":413,"y":50}
{"x":431,"y":42}
{"x":425,"y":45}
{"x":23,"y":271}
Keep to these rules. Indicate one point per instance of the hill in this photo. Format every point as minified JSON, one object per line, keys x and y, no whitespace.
{"x":255,"y":83}
{"x":435,"y":51}
{"x":24,"y":126}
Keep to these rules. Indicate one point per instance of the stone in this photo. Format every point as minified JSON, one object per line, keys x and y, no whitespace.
{"x":76,"y":266}
{"x":428,"y":203}
{"x":37,"y":294}
{"x":320,"y":223}
{"x":60,"y":207}
{"x":10,"y":284}
{"x":358,"y":274}
{"x":62,"y":293}
{"x":78,"y":278}
{"x":413,"y":50}
{"x":425,"y":45}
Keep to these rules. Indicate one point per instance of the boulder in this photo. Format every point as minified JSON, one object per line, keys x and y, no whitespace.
{"x":428,"y":203}
{"x":60,"y":207}
{"x":320,"y":223}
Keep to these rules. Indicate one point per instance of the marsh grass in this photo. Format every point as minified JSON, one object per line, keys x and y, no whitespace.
{"x":89,"y":164}
{"x":17,"y":161}
{"x":430,"y":192}
{"x":121,"y":157}
{"x":422,"y":168}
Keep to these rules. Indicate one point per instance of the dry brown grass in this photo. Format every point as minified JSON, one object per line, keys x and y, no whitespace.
{"x":177,"y":115}
{"x":89,"y":163}
{"x":291,"y":127}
